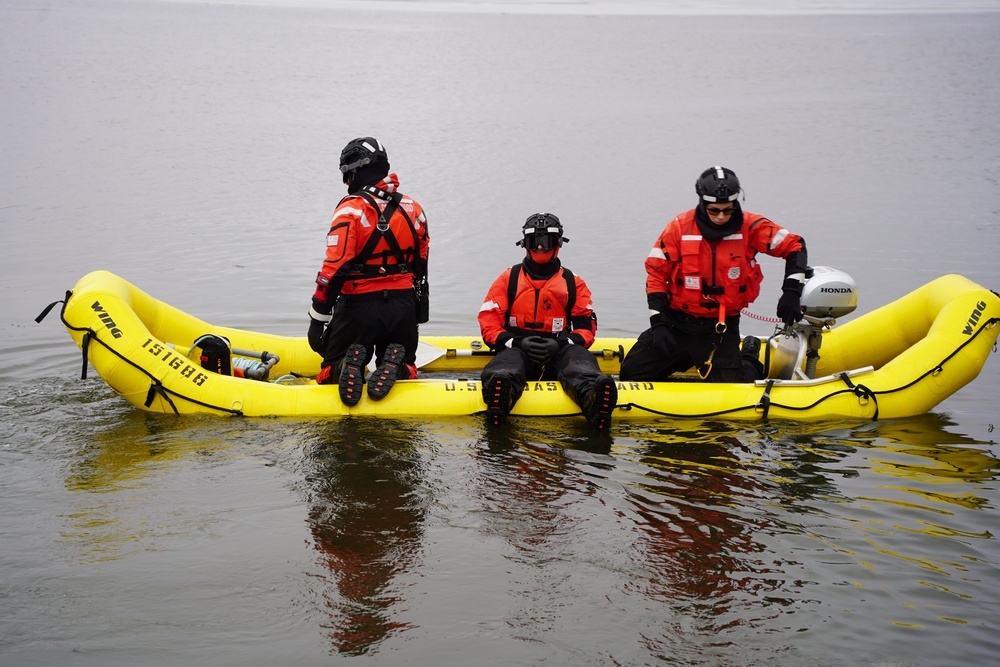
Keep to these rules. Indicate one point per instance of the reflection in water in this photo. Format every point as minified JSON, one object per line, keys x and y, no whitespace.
{"x":537,"y":486}
{"x":909,"y":513}
{"x":920,"y":450}
{"x":113,"y":466}
{"x":132,"y":448}
{"x":685,"y":540}
{"x":699,"y":542}
{"x":366,"y":521}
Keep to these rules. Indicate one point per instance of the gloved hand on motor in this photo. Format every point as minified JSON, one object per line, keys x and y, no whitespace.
{"x":540,"y":349}
{"x":796,"y":271}
{"x":790,"y":306}
{"x":317,"y":325}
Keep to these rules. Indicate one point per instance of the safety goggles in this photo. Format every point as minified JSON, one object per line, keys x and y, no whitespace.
{"x":546,"y":240}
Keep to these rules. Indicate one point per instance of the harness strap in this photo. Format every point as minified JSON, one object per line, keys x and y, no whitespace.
{"x":383,"y":231}
{"x":515,"y":276}
{"x":570,"y":295}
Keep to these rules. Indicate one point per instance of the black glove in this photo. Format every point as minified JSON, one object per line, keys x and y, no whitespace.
{"x":316,"y":328}
{"x":662,"y":338}
{"x":790,"y":307}
{"x":539,"y":348}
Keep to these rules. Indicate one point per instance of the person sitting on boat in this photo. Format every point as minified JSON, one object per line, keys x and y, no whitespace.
{"x":365,"y":301}
{"x":539,"y":319}
{"x":700,"y":274}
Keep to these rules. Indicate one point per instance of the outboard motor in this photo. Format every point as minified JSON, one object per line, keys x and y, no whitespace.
{"x":827,"y":294}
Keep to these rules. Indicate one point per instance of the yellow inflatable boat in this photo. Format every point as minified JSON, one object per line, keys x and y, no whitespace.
{"x":900,"y":360}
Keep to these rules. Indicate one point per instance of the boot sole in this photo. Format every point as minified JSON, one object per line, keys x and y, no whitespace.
{"x":605,"y":401}
{"x":352,"y":377}
{"x":498,"y":404}
{"x":384,"y":377}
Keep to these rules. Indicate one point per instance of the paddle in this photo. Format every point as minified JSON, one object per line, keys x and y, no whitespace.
{"x":428,"y":354}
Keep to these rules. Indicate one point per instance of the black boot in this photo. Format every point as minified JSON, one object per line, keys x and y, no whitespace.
{"x":601,"y":403}
{"x":496,"y":394}
{"x":352,"y":377}
{"x":385,"y":375}
{"x":750,"y":354}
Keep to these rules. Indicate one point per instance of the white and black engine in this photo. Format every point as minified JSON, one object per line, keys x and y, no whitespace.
{"x":828,"y":294}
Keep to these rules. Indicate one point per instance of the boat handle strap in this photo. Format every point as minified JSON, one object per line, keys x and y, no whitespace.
{"x":156,"y":389}
{"x":862,"y":392}
{"x":765,"y":400}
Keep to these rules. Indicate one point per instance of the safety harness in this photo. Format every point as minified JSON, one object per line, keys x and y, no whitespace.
{"x":405,"y":259}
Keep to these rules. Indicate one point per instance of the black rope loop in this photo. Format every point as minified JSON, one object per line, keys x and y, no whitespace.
{"x":156,"y":388}
{"x":84,"y":347}
{"x":41,"y":316}
{"x":765,"y":400}
{"x":863,"y":393}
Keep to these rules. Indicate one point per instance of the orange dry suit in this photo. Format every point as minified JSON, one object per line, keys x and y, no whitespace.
{"x":518,"y":305}
{"x":378,"y":241}
{"x":685,"y":272}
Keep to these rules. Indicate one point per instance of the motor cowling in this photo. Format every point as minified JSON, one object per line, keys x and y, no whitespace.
{"x":829,"y":293}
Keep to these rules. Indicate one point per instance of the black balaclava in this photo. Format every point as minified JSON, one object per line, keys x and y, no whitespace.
{"x":369,"y":174}
{"x":712,"y":232}
{"x":541,"y":271}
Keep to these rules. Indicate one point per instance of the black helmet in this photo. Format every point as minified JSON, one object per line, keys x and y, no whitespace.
{"x":717,"y":184}
{"x":544,"y":229}
{"x":360,"y":152}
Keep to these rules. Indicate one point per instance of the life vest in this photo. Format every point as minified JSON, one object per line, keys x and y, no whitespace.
{"x":532,"y":311}
{"x":710,"y":274}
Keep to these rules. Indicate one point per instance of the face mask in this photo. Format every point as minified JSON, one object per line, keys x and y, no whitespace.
{"x":542,"y":256}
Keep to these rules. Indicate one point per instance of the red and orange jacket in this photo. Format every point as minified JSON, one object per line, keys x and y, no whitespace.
{"x":539,"y":307}
{"x":361,"y":256}
{"x":686,"y":272}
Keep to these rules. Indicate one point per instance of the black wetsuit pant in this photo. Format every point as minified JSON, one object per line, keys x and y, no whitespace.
{"x":374,"y":320}
{"x":692,"y":341}
{"x":574,"y":366}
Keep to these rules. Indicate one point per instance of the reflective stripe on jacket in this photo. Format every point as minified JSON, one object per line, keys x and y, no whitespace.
{"x":354,"y":223}
{"x":698,"y":276}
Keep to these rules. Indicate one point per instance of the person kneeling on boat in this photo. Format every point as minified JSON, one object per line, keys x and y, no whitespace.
{"x":539,"y":320}
{"x":366,"y":299}
{"x":701,"y":273}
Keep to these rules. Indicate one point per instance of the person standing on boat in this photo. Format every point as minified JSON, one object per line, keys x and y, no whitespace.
{"x":371,"y":291}
{"x":700,"y":274}
{"x":539,"y":319}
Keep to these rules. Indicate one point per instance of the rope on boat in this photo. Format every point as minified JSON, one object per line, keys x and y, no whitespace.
{"x":861,"y":391}
{"x":764,"y":404}
{"x":156,"y":387}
